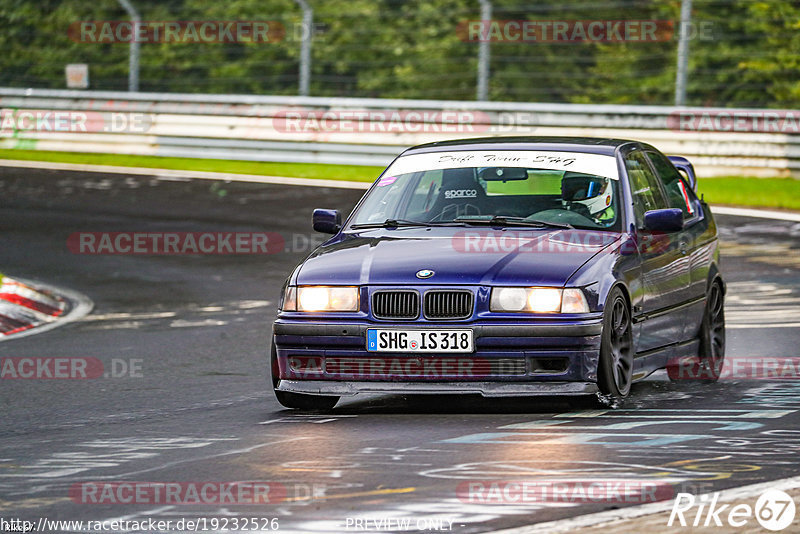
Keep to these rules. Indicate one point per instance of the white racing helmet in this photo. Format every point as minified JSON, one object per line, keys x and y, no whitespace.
{"x":594,"y":192}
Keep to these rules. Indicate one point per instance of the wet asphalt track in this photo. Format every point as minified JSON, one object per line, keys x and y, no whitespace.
{"x":199,"y":326}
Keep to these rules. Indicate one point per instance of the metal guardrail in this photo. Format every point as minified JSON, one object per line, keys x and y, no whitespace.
{"x":366,"y":131}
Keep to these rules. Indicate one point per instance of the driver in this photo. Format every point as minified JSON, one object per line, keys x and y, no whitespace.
{"x":592,"y":195}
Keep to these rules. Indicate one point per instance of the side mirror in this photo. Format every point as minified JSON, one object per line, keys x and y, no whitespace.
{"x":666,"y":220}
{"x":687,"y":169}
{"x":327,"y":221}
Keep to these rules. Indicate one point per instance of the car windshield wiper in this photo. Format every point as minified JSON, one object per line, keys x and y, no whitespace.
{"x":502,"y":220}
{"x":397,"y":223}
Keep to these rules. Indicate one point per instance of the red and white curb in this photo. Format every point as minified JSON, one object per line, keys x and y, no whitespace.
{"x":31,"y":307}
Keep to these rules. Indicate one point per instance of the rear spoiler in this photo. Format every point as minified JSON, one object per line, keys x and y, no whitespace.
{"x":683,"y":165}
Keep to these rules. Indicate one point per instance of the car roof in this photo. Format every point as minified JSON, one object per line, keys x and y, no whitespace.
{"x":589,"y":145}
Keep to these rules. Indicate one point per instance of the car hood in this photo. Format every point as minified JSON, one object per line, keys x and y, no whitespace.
{"x":469,"y":256}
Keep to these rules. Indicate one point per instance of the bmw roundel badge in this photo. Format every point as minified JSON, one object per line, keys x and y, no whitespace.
{"x":425,"y":273}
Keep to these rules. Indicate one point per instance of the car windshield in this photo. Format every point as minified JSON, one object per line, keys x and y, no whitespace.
{"x":517,"y":191}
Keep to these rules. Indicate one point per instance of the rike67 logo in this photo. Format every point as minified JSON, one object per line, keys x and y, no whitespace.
{"x":774,"y":510}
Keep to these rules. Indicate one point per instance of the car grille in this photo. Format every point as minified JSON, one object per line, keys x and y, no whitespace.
{"x":448,"y":304}
{"x":395,"y":304}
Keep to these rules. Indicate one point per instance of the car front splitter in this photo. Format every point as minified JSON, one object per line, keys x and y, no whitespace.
{"x":486,"y":389}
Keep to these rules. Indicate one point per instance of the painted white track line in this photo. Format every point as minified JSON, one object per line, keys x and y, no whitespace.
{"x":761,"y":214}
{"x":632,"y":512}
{"x":172,"y":173}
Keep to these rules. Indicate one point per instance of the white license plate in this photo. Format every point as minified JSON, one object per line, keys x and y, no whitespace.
{"x":379,"y":340}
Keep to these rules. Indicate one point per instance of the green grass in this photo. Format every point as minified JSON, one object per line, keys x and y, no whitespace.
{"x":357,"y":173}
{"x":780,"y":193}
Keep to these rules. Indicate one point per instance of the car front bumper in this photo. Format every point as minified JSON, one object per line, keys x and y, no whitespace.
{"x":554,"y":358}
{"x":486,"y":389}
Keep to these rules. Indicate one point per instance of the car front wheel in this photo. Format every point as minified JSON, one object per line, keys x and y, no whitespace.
{"x":615,"y":368}
{"x":298,"y":401}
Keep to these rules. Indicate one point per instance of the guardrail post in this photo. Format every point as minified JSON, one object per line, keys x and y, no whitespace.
{"x":484,"y":54}
{"x":133,"y":54}
{"x":683,"y":53}
{"x":305,"y":47}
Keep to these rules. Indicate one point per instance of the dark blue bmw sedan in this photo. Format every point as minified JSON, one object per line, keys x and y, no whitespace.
{"x":506,"y":267}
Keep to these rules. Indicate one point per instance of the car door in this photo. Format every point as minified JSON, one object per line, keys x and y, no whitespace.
{"x":693,"y":240}
{"x":665,"y":269}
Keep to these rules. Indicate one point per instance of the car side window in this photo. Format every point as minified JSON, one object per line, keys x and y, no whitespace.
{"x":645,"y":186}
{"x":675,"y":186}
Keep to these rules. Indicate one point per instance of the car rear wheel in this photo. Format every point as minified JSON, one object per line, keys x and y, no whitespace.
{"x":298,"y":401}
{"x":712,"y":335}
{"x":706,"y":366}
{"x":615,"y":368}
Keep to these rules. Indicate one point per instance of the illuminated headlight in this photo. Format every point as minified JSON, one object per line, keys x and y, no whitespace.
{"x":538,"y":300}
{"x":321,"y":299}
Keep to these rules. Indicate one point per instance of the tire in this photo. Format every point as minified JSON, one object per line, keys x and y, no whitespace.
{"x":298,"y":401}
{"x":712,"y":335}
{"x":615,"y":368}
{"x":711,"y":355}
{"x":706,"y":366}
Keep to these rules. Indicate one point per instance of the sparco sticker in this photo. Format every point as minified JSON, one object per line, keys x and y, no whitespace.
{"x":460,"y":193}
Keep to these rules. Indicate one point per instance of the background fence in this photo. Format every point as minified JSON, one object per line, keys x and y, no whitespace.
{"x":370,"y":131}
